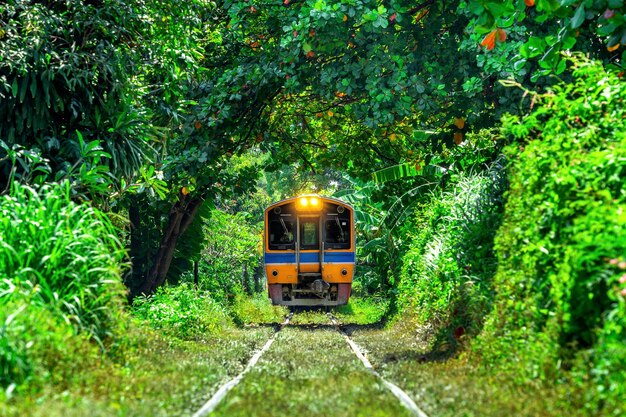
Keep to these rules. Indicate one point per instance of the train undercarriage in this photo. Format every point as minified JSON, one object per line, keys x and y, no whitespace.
{"x":311,"y":291}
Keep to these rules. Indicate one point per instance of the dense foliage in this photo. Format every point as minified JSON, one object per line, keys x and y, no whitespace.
{"x":561,"y":247}
{"x":181,"y":312}
{"x":446,"y":277}
{"x":230,"y":260}
{"x":596,"y":27}
{"x":60,"y":267}
{"x":150,"y":125}
{"x":63,"y":255}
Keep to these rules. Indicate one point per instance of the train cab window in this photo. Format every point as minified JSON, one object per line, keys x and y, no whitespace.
{"x":309,"y":234}
{"x":281,"y":234}
{"x":337,"y":233}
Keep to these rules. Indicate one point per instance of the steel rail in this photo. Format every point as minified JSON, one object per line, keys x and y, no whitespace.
{"x":213,"y":402}
{"x":396,"y":390}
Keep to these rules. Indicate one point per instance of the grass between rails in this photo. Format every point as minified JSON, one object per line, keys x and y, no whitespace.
{"x":310,"y":371}
{"x":460,"y":386}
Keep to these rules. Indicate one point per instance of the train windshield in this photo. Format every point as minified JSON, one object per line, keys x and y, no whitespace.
{"x":281,"y":234}
{"x":309,"y":233}
{"x":337,"y":231}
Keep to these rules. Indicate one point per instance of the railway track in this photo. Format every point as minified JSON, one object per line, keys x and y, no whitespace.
{"x":221,"y":393}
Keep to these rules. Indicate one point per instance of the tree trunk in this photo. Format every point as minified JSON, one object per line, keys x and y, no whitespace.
{"x":180,"y":217}
{"x":137,"y":257}
{"x":195,"y":275}
{"x":245,"y":280}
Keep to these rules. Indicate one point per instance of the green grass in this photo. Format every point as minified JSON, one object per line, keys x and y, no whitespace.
{"x":62,"y":255}
{"x":363,"y":311}
{"x":310,"y":316}
{"x":150,"y":375}
{"x":310,"y":371}
{"x":183,"y":312}
{"x":256,"y":309}
{"x":461,"y":386}
{"x":60,"y":286}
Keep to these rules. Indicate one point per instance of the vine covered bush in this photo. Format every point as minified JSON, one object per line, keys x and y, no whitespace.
{"x":562,"y":245}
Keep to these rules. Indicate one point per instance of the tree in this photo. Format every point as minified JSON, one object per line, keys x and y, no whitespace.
{"x":64,"y":77}
{"x":595,"y":27}
{"x":171,"y":91}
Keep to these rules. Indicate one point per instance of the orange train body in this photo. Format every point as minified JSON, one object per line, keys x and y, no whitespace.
{"x":309,"y":251}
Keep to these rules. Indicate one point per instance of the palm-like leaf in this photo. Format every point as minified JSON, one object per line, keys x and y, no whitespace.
{"x":406,"y":170}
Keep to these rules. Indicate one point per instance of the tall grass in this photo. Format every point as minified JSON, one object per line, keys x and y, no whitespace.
{"x":55,"y":256}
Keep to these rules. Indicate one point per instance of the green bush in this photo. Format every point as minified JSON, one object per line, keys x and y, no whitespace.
{"x":61,"y":255}
{"x":230,"y":259}
{"x":182,"y":311}
{"x":559,"y":302}
{"x":363,"y":310}
{"x":256,"y":309}
{"x":446,"y":275}
{"x":37,"y":346}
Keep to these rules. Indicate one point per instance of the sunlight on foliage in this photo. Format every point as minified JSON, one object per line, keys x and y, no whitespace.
{"x":182,"y":312}
{"x":63,"y":255}
{"x":560,"y":302}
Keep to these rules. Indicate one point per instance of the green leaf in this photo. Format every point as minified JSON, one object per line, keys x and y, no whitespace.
{"x":535,"y":46}
{"x":475,"y":7}
{"x":33,"y":87}
{"x":395,"y":172}
{"x":23,"y":88}
{"x":579,"y":17}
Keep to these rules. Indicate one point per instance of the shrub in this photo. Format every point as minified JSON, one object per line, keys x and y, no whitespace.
{"x":230,"y":261}
{"x":61,"y":255}
{"x":559,"y":295}
{"x":363,"y":310}
{"x":256,"y":309}
{"x":36,"y":345}
{"x":181,"y":311}
{"x":446,"y":275}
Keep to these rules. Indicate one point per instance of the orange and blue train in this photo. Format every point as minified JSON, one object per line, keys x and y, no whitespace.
{"x":309,"y":251}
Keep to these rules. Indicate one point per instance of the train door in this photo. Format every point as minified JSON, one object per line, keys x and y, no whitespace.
{"x":309,"y":254}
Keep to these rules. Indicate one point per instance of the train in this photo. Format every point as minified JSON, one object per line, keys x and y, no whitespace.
{"x":309,"y":251}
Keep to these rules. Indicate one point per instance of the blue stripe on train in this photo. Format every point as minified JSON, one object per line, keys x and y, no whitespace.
{"x":339,"y":257}
{"x":290,"y":258}
{"x":280,"y":258}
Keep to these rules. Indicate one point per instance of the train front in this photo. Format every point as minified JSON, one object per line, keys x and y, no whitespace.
{"x":309,"y":251}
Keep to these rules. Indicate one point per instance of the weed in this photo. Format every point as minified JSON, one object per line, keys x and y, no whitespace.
{"x":310,"y":373}
{"x":182,"y":312}
{"x":256,"y":309}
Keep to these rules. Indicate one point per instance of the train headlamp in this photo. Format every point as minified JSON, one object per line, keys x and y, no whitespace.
{"x":309,"y":203}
